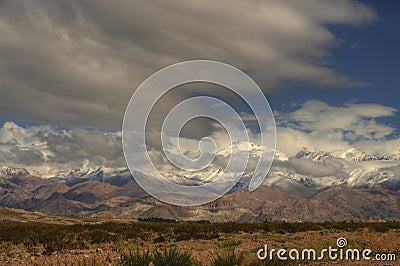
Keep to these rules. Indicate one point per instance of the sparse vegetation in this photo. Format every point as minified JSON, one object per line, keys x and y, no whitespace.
{"x":172,"y":257}
{"x":181,"y":243}
{"x":230,"y":259}
{"x":135,"y":258}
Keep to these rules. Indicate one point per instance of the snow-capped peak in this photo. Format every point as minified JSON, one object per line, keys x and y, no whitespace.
{"x":280,"y":156}
{"x":240,"y":146}
{"x":11,"y":172}
{"x":355,"y":155}
{"x":311,"y":155}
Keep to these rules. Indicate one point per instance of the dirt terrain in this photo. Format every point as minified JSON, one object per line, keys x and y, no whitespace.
{"x":205,"y":250}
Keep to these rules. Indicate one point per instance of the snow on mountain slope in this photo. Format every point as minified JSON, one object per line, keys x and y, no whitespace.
{"x":314,"y":156}
{"x":358,"y":169}
{"x":280,"y":156}
{"x":298,"y":174}
{"x":240,"y":146}
{"x":309,"y":170}
{"x":11,"y":172}
{"x":355,"y":155}
{"x":352,"y":155}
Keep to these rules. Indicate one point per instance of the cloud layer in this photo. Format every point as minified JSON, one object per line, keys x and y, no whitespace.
{"x":78,"y":62}
{"x":318,"y":126}
{"x":45,"y":149}
{"x":311,"y":127}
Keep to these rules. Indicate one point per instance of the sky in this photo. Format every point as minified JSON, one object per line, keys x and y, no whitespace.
{"x":369,"y":54}
{"x":329,"y":69}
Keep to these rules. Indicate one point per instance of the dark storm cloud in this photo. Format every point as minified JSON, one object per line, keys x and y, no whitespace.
{"x":78,"y":62}
{"x":25,"y":157}
{"x":78,"y":145}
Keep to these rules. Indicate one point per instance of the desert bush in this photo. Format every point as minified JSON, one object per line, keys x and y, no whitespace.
{"x":60,"y":237}
{"x":230,"y":259}
{"x":135,"y":258}
{"x":172,"y":257}
{"x":157,"y":220}
{"x":160,"y":239}
{"x":229,"y":243}
{"x":380,"y":228}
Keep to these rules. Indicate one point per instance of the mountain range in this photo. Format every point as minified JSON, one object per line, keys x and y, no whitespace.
{"x":310,"y":186}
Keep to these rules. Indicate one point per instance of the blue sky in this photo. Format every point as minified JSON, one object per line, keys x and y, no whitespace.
{"x":369,"y":54}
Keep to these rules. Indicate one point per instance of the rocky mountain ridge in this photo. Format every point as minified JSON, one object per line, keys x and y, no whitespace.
{"x":116,"y":194}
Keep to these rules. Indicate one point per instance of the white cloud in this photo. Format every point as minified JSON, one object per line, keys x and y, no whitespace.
{"x":384,"y":146}
{"x":321,"y":127}
{"x":326,"y":167}
{"x":291,"y":141}
{"x":45,"y":148}
{"x":312,"y":127}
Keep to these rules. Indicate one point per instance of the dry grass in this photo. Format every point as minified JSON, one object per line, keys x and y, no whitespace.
{"x":105,"y":243}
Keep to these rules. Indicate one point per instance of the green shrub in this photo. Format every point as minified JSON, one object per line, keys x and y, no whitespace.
{"x":380,"y":228}
{"x":136,"y":258}
{"x":172,"y":257}
{"x":160,"y":239}
{"x":229,"y":243}
{"x":230,"y":259}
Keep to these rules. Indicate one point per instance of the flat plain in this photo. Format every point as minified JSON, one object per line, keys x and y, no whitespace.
{"x":37,"y":239}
